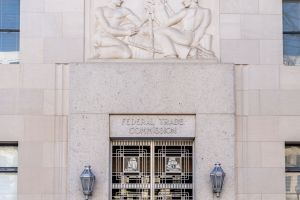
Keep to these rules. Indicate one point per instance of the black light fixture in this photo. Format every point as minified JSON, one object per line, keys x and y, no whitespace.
{"x":217,"y":176}
{"x":87,"y":181}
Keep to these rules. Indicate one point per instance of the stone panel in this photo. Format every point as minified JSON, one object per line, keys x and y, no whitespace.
{"x":151,"y":87}
{"x":102,"y":89}
{"x":240,"y":51}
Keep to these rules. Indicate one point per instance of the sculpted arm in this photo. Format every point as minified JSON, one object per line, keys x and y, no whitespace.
{"x":174,"y":19}
{"x":105,"y":25}
{"x":133,"y":17}
{"x":199,"y":33}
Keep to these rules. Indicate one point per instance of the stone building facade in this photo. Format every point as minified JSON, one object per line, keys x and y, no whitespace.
{"x":57,"y":104}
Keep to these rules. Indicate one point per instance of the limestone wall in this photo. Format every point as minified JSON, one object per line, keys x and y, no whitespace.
{"x":34,"y":94}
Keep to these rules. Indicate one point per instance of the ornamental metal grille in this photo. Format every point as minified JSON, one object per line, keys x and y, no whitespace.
{"x":152,"y":170}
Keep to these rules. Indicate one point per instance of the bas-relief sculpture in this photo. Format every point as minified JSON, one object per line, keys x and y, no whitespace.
{"x":164,"y":33}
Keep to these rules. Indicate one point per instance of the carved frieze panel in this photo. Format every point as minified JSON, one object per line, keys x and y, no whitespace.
{"x":150,"y":29}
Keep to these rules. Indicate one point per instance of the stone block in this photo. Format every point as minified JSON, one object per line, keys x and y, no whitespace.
{"x":29,"y":197}
{"x":230,"y":27}
{"x":239,"y":6}
{"x":62,"y":76}
{"x":249,"y":154}
{"x":12,"y":127}
{"x":64,"y":5}
{"x":49,"y":106}
{"x":249,"y":196}
{"x":73,"y":24}
{"x":63,"y":50}
{"x":263,"y":128}
{"x":30,"y":154}
{"x":289,"y":78}
{"x":31,"y":25}
{"x":241,"y":128}
{"x":273,"y":196}
{"x":289,"y":128}
{"x":30,"y":101}
{"x":290,"y":102}
{"x":273,"y":154}
{"x":249,"y":6}
{"x":9,"y":76}
{"x":261,"y":27}
{"x":52,"y":25}
{"x":62,"y":102}
{"x":240,"y":51}
{"x":39,"y":128}
{"x":38,"y":76}
{"x":8,"y":101}
{"x":31,"y":50}
{"x":269,"y":102}
{"x":145,"y":87}
{"x":61,"y":128}
{"x":54,"y":154}
{"x":271,"y":52}
{"x":263,"y":77}
{"x":257,"y":180}
{"x":31,"y":6}
{"x":248,"y":102}
{"x":270,"y":7}
{"x":230,"y":6}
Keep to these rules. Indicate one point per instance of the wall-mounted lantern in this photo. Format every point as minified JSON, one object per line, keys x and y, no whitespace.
{"x":217,"y":176}
{"x":87,"y":180}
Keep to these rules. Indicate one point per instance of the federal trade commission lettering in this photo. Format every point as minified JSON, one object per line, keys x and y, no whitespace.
{"x":152,"y":126}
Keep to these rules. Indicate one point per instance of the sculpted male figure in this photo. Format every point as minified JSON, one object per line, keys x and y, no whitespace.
{"x":114,"y":22}
{"x":193,"y":20}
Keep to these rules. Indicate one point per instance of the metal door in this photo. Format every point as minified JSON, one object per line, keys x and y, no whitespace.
{"x":152,"y":169}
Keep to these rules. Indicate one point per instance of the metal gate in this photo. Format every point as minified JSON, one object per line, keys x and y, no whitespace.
{"x":152,"y":169}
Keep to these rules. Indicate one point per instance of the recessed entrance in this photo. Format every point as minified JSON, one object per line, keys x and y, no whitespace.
{"x":150,"y":169}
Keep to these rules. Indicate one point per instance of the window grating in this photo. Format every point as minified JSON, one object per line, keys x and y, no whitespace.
{"x":152,"y":170}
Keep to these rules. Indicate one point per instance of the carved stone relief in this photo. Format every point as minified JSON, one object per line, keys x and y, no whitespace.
{"x":150,"y":29}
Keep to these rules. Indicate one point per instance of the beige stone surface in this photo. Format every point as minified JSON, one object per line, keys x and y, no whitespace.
{"x":31,"y":6}
{"x":39,"y":128}
{"x":273,"y":154}
{"x":263,"y":77}
{"x":257,"y":180}
{"x":30,"y":101}
{"x":163,"y":87}
{"x":63,"y":50}
{"x":289,"y":128}
{"x":88,"y":144}
{"x":12,"y":127}
{"x":38,"y":76}
{"x":271,"y":52}
{"x":145,"y":88}
{"x":249,"y":154}
{"x":10,"y":76}
{"x":240,"y":51}
{"x":261,"y":27}
{"x":239,"y":6}
{"x":210,"y":127}
{"x":73,"y":24}
{"x":289,"y":78}
{"x":31,"y":50}
{"x":248,"y":102}
{"x":270,"y":6}
{"x":64,"y":5}
{"x":230,"y":26}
